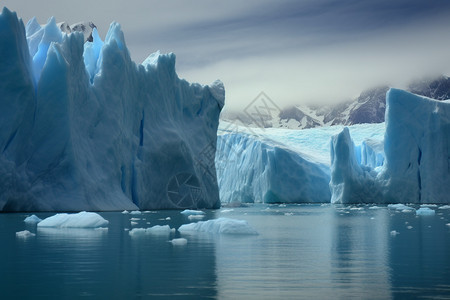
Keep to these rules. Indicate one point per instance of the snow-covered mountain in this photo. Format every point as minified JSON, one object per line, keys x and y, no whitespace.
{"x":369,"y":107}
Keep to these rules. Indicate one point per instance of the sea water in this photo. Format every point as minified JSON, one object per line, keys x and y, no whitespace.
{"x":301,"y":252}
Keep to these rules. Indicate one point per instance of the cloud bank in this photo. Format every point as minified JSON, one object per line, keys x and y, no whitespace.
{"x":294,"y":51}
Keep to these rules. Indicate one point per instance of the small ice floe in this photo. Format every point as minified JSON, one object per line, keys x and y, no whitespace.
{"x":136,"y":212}
{"x":24,"y":234}
{"x":401,"y":207}
{"x":409,"y":227}
{"x":409,"y":210}
{"x":165,"y":219}
{"x":425,"y":211}
{"x":220,"y":226}
{"x":79,"y":220}
{"x":288,"y":214}
{"x":428,"y":205}
{"x":374,"y":207}
{"x":133,"y":223}
{"x":148,"y":223}
{"x":168,"y":218}
{"x":394,"y":233}
{"x":372,"y":218}
{"x":448,"y":224}
{"x":101,"y":228}
{"x":179,"y":242}
{"x":444,"y":207}
{"x":157,"y":230}
{"x":226,"y":211}
{"x":282,"y":205}
{"x":125,"y":212}
{"x":135,"y":219}
{"x":196,"y":217}
{"x":33,"y":219}
{"x":356,"y":208}
{"x":190,"y":212}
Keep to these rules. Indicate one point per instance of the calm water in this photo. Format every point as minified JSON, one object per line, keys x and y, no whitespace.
{"x":302,"y":252}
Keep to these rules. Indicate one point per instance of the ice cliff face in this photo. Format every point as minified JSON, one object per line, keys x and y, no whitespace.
{"x":85,"y":128}
{"x":416,"y":166}
{"x":253,"y":169}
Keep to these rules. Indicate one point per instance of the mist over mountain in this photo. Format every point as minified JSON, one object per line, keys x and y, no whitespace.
{"x":368,"y":107}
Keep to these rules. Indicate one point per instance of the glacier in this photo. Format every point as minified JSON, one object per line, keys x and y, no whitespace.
{"x":85,"y":128}
{"x":275,"y":165}
{"x":416,"y":164}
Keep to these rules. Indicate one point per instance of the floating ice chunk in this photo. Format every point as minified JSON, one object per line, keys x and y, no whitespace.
{"x":157,"y":229}
{"x":125,"y":212}
{"x":135,"y":219}
{"x":394,"y":233}
{"x":425,"y":211}
{"x":168,"y":218}
{"x":196,"y":217}
{"x":226,"y":210}
{"x":24,"y":234}
{"x":408,"y":210}
{"x":102,"y":228}
{"x":33,"y":219}
{"x":288,"y":214}
{"x":160,"y":229}
{"x":445,"y":207}
{"x":448,"y":224}
{"x":409,"y":227}
{"x":133,"y":223}
{"x":179,"y":242}
{"x":401,"y":207}
{"x":374,"y":207}
{"x":137,"y":231}
{"x":428,"y":205}
{"x":219,"y":226}
{"x":80,"y":220}
{"x":135,"y":212}
{"x":188,"y":212}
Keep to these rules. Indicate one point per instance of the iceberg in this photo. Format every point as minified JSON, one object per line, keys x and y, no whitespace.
{"x":33,"y":219}
{"x":155,"y":230}
{"x":85,"y":128}
{"x":219,"y":226}
{"x":79,"y":220}
{"x":416,"y":163}
{"x":24,"y":234}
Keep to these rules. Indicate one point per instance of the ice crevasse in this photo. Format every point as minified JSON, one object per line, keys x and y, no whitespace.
{"x":85,"y":128}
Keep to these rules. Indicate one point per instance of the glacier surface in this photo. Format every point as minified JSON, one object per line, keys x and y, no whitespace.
{"x":85,"y":128}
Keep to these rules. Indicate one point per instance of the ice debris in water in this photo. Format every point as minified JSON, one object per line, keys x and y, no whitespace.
{"x":179,"y":242}
{"x":157,"y":229}
{"x":188,"y":212}
{"x":24,"y":234}
{"x":425,"y":211}
{"x":33,"y":219}
{"x":196,"y":217}
{"x":220,"y":226}
{"x":394,"y":233}
{"x":79,"y":220}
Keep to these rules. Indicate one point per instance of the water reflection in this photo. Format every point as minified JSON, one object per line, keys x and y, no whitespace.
{"x":359,"y":253}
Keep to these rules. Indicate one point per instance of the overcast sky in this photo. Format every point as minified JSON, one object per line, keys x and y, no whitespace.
{"x":294,"y":51}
